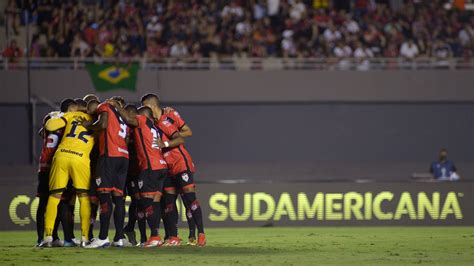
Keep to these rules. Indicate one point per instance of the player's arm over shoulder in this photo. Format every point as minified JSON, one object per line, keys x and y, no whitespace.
{"x":57,"y":122}
{"x":184,"y":128}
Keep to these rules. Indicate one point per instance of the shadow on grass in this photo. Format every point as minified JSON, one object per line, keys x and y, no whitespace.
{"x":182,"y":250}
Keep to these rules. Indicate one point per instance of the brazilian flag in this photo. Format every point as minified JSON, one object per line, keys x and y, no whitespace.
{"x":107,"y":77}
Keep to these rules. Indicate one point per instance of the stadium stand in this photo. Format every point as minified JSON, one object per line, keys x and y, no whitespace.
{"x":205,"y":28}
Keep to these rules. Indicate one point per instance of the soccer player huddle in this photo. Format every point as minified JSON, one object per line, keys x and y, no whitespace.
{"x":101,"y":152}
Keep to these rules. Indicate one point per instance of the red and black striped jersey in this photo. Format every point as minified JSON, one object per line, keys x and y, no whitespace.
{"x":178,"y":158}
{"x":133,"y":169}
{"x":51,"y":142}
{"x":112,"y":140}
{"x":149,"y":154}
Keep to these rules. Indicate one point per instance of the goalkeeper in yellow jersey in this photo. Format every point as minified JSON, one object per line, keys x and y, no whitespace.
{"x":71,"y":160}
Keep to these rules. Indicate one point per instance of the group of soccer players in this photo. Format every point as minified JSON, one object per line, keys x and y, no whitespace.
{"x":101,"y":152}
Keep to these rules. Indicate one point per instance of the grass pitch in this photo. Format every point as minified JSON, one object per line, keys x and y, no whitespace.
{"x":265,"y":246}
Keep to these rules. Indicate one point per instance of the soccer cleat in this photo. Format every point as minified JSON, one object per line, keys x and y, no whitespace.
{"x":99,"y":243}
{"x":172,"y":241}
{"x":58,"y":243}
{"x":84,"y":242}
{"x":191,"y":241}
{"x":121,"y":243}
{"x":47,"y":242}
{"x":69,"y":244}
{"x":201,"y":240}
{"x":131,"y":236}
{"x":154,"y":241}
{"x":76,"y":241}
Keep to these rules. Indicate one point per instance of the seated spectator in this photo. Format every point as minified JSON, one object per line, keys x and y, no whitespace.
{"x":179,"y":50}
{"x":12,"y":52}
{"x":342,"y":52}
{"x":363,"y":54}
{"x":409,"y":50}
{"x":331,"y":34}
{"x":154,"y":27}
{"x":441,"y":51}
{"x":444,"y":169}
{"x":244,"y":28}
{"x":79,"y":47}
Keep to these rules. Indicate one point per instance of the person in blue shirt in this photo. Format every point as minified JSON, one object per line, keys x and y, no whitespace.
{"x":444,"y":169}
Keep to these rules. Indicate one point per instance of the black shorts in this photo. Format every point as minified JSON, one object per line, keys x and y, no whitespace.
{"x":69,"y":193}
{"x":111,"y":174}
{"x":43,"y":184}
{"x":93,"y":188}
{"x":132,"y":185}
{"x":179,"y":182}
{"x":150,"y":182}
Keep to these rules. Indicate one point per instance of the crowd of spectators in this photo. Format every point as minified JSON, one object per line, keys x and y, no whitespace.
{"x":193,"y":29}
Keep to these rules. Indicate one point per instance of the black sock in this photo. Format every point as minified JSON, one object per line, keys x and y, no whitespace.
{"x":191,"y":223}
{"x":71,"y":218}
{"x":171,"y":214}
{"x":94,"y":208}
{"x":105,"y":213}
{"x":165,"y":223}
{"x":192,"y":202}
{"x":132,"y":216}
{"x":119,"y":216}
{"x":146,"y":207}
{"x":157,"y":213}
{"x":43,"y":201}
{"x":67,"y":220}
{"x":189,"y":219}
{"x":142,"y":226}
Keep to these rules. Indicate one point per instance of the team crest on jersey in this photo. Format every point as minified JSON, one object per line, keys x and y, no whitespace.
{"x":132,"y":184}
{"x":98,"y":181}
{"x":140,"y":184}
{"x":166,"y":122}
{"x":185,"y":177}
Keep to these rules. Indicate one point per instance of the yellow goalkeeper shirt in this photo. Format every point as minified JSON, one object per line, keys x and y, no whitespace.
{"x":77,"y":141}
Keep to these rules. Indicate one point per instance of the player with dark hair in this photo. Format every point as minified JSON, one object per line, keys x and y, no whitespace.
{"x":132,"y":189}
{"x":66,"y":212}
{"x":153,"y":168}
{"x":81,"y":105}
{"x":111,"y":171}
{"x":89,"y":97}
{"x":68,"y":105}
{"x":92,"y":105}
{"x":181,"y":171}
{"x":50,"y":144}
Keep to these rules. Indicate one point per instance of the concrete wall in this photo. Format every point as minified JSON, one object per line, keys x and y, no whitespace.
{"x":285,"y":124}
{"x":268,"y":141}
{"x":255,"y":86}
